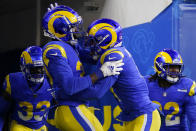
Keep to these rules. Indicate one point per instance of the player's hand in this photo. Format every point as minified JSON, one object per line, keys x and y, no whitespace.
{"x":112,"y":68}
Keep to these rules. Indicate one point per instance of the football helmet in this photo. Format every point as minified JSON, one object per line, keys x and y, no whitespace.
{"x":62,"y":23}
{"x":168,"y":65}
{"x":103,"y":34}
{"x":31,"y":64}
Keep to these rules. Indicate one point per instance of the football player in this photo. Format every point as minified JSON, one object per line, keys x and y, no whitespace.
{"x":129,"y":88}
{"x":65,"y":71}
{"x":173,"y":92}
{"x":27,"y":93}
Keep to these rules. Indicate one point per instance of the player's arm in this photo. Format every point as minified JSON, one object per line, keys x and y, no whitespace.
{"x":112,"y":59}
{"x":103,"y":85}
{"x":98,"y":90}
{"x":108,"y":68}
{"x":60,"y":73}
{"x":190,"y":107}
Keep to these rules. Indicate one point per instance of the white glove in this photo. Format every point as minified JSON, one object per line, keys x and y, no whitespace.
{"x":112,"y":68}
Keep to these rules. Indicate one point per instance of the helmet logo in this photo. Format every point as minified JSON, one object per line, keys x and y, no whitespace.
{"x":60,"y":14}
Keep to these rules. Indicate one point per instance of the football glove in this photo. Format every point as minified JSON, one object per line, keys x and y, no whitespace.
{"x":112,"y":68}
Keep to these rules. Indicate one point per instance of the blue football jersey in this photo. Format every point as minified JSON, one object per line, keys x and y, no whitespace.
{"x":28,"y":107}
{"x":65,"y":72}
{"x":176,"y":103}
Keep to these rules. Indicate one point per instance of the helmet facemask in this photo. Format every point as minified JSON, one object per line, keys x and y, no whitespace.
{"x":173,"y":72}
{"x":35,"y":74}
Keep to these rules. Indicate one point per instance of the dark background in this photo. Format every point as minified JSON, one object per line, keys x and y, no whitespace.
{"x":20,"y":27}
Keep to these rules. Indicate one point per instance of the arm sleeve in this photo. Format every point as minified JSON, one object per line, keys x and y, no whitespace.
{"x":99,"y":88}
{"x":190,"y":110}
{"x":60,"y":73}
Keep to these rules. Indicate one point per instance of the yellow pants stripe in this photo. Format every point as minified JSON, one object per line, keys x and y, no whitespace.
{"x":65,"y":120}
{"x":144,"y":122}
{"x":84,"y":117}
{"x":69,"y":118}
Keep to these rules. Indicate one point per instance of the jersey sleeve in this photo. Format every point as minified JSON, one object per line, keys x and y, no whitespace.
{"x":111,"y":55}
{"x":60,"y":73}
{"x":98,"y":90}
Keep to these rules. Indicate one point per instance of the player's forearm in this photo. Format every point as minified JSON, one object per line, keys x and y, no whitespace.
{"x":98,"y":89}
{"x":73,"y":85}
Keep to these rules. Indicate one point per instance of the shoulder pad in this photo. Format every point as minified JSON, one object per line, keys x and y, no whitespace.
{"x":53,"y":50}
{"x":111,"y":55}
{"x":6,"y":84}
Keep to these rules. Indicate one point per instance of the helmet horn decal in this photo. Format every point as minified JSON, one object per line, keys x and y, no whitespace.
{"x":26,"y":56}
{"x":114,"y":37}
{"x":71,"y":17}
{"x":167,"y":59}
{"x":103,"y":26}
{"x":95,"y":28}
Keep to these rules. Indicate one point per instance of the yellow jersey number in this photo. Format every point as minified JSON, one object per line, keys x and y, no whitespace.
{"x":28,"y":108}
{"x":168,"y":119}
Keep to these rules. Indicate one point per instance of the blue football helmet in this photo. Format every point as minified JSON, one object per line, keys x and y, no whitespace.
{"x":62,"y":23}
{"x":31,"y":64}
{"x":168,"y":65}
{"x":104,"y":34}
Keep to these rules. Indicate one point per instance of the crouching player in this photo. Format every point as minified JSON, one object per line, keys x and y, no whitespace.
{"x":27,"y":92}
